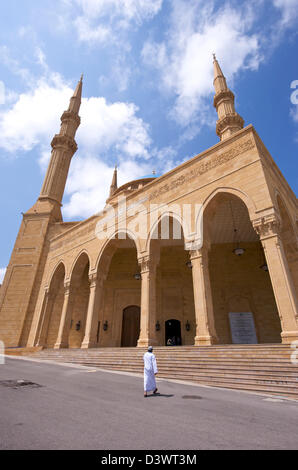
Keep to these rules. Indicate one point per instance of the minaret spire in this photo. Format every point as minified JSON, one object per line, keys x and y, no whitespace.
{"x":229,"y":121}
{"x":75,"y":101}
{"x":63,"y":148}
{"x":114,"y":185}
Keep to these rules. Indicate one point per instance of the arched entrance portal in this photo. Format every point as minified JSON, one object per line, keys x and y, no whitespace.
{"x":173,"y":333}
{"x":242,"y":296}
{"x":130,"y":326}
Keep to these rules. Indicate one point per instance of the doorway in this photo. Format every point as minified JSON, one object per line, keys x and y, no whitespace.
{"x":173,"y":333}
{"x":130,"y":326}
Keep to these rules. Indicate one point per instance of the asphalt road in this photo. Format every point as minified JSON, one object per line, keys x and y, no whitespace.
{"x":84,"y":408}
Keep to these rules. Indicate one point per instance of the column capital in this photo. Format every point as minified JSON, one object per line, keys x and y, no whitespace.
{"x":147,"y":263}
{"x":49,"y":293}
{"x":93,"y":279}
{"x":67,"y":287}
{"x":195,"y":254}
{"x":267,"y":226}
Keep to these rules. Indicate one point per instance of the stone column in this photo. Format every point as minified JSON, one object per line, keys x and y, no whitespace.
{"x":205,"y":328}
{"x":96,"y":291}
{"x":268,"y":229}
{"x":45,"y":315}
{"x":148,"y":302}
{"x":62,"y":340}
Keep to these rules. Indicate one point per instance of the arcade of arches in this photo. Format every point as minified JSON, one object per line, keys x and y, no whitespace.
{"x":172,"y":296}
{"x":65,"y":286}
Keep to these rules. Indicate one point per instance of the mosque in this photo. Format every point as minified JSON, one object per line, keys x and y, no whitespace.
{"x":204,"y":254}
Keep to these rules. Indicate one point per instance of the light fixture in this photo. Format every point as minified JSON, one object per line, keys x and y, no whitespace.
{"x":264,"y":265}
{"x":105,"y":326}
{"x":238,"y":251}
{"x":187,"y":326}
{"x":157,"y":326}
{"x":78,"y":326}
{"x":137,"y":275}
{"x":189,"y":264}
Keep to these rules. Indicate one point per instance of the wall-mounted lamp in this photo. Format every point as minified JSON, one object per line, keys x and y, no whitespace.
{"x":188,"y":264}
{"x":187,"y":325}
{"x":157,"y":326}
{"x":264,"y":265}
{"x":137,"y":276}
{"x":78,"y":326}
{"x":105,"y":326}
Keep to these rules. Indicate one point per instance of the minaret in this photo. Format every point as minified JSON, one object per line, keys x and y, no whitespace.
{"x":229,"y":121}
{"x":64,"y":147}
{"x":114,"y":185}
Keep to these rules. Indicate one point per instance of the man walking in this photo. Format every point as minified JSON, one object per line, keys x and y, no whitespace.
{"x":150,"y":370}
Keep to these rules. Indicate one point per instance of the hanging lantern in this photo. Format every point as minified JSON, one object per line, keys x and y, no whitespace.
{"x":238,"y":251}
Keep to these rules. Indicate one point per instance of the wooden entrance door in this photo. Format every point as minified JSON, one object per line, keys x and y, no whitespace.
{"x":130,"y":326}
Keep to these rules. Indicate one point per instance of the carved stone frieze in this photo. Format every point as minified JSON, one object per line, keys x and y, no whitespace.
{"x":210,"y":163}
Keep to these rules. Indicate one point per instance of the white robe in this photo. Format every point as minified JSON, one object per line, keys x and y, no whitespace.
{"x":150,"y":368}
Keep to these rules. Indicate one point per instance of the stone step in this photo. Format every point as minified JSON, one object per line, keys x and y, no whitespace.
{"x":259,"y":368}
{"x":251,"y":375}
{"x":273,"y":386}
{"x":291,"y":376}
{"x":282,"y":365}
{"x":284,"y":362}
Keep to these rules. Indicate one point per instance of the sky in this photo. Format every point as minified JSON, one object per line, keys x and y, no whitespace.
{"x":147,"y":94}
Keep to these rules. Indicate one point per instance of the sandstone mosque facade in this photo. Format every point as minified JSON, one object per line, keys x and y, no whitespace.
{"x":67,"y":287}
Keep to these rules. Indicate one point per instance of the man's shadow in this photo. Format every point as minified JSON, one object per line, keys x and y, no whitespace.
{"x":157,"y":394}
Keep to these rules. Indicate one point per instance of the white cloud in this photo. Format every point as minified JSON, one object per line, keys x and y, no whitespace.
{"x":185,"y":58}
{"x":105,"y":125}
{"x":2,"y":93}
{"x":104,"y":20}
{"x":109,"y":133}
{"x":34,"y":118}
{"x":89,"y":183}
{"x":289,"y":11}
{"x":2,"y":274}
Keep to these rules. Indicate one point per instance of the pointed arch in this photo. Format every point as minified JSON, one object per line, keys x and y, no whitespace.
{"x":113,"y":238}
{"x":81,"y":254}
{"x":171,"y":214}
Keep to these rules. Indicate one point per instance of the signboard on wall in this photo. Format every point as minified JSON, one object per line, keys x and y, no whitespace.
{"x":243,"y":328}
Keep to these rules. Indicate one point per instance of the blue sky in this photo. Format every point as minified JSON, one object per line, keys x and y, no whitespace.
{"x":148,"y":90}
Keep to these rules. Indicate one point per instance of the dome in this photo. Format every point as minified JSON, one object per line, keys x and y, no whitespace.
{"x":131,"y":186}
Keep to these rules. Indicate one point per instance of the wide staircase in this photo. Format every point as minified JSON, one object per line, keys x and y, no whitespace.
{"x":265,"y":369}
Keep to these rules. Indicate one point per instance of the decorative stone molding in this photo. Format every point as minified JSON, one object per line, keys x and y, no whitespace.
{"x":65,"y":142}
{"x":194,"y":254}
{"x":223,"y":96}
{"x":268,"y":226}
{"x":93,"y":280}
{"x":204,"y":167}
{"x":67,"y":287}
{"x":231,"y":120}
{"x":145,"y":264}
{"x":71,"y":116}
